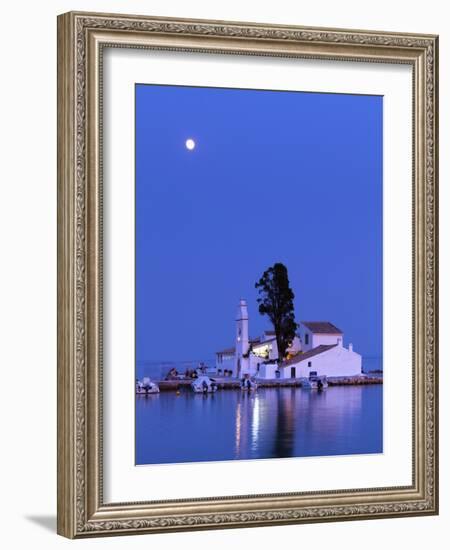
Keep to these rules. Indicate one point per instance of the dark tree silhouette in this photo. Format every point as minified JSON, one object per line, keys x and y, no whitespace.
{"x":276,"y":300}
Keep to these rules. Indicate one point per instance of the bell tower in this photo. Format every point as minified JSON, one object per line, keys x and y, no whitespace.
{"x":242,"y":345}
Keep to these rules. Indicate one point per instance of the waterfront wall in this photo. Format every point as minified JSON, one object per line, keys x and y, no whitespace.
{"x":234,"y":384}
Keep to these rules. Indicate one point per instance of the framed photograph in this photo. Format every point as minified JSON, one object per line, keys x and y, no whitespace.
{"x":247,"y":274}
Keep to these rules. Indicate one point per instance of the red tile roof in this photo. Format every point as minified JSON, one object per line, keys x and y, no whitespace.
{"x":321,"y":327}
{"x":307,"y":354}
{"x":262,"y":342}
{"x":227,"y":351}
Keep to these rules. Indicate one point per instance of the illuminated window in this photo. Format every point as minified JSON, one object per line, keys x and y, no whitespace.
{"x":262,"y":351}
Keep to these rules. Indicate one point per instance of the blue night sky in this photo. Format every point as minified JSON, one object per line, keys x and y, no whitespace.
{"x":275,"y":176}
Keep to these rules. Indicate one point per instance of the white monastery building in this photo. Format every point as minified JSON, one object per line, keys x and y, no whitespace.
{"x":318,"y":349}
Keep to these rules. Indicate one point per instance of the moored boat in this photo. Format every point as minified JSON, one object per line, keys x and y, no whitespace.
{"x":203,"y":384}
{"x":315,"y":382}
{"x":146,"y":386}
{"x":248,"y":384}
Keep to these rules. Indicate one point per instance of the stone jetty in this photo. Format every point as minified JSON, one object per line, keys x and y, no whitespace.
{"x":235,"y":384}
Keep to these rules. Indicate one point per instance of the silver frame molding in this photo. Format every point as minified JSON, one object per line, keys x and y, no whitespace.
{"x":81,"y":39}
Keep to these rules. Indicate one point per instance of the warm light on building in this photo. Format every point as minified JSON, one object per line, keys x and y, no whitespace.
{"x":262,"y":351}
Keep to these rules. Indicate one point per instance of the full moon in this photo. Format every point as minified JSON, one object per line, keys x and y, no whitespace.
{"x":190,"y":144}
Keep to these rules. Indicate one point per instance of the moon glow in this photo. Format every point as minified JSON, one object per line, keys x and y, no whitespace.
{"x":190,"y":144}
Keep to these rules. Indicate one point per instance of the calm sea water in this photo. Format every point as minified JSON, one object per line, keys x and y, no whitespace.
{"x":271,"y":423}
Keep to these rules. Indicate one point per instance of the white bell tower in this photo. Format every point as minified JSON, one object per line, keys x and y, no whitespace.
{"x":242,"y":346}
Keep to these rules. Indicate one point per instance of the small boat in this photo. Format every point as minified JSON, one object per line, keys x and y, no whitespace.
{"x":247,"y":384}
{"x":146,"y":386}
{"x":203,"y":384}
{"x":315,"y":382}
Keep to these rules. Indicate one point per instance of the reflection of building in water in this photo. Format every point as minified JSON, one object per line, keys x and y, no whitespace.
{"x":318,"y":349}
{"x":244,"y":424}
{"x":284,"y":436}
{"x":254,"y":419}
{"x":325,"y":414}
{"x":247,"y":424}
{"x":255,"y":422}
{"x":288,"y":422}
{"x":237,"y":437}
{"x":265,"y":424}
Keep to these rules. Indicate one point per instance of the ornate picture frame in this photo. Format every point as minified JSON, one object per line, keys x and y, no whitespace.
{"x":82,"y":38}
